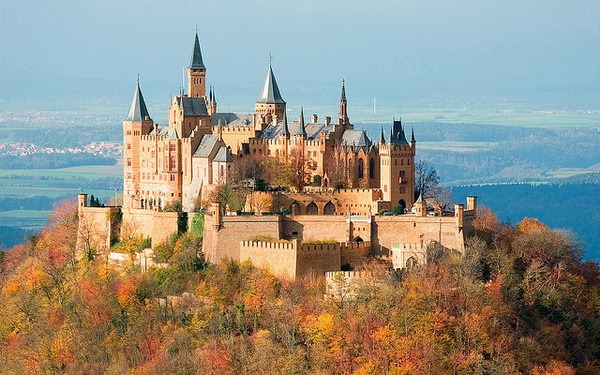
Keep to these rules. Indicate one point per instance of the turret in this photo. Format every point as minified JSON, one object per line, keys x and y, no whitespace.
{"x":196,"y":72}
{"x":136,"y":124}
{"x":413,"y":143}
{"x":270,"y":102}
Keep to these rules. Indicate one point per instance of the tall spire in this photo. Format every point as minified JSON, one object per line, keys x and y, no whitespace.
{"x":270,"y":93}
{"x":302,"y":125}
{"x":285,"y":130}
{"x":382,"y":137}
{"x":196,"y":63}
{"x":412,"y":135}
{"x":343,"y":116}
{"x":137,"y":110}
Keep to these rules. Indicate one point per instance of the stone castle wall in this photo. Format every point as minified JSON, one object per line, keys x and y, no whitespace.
{"x":97,"y":228}
{"x":159,"y":226}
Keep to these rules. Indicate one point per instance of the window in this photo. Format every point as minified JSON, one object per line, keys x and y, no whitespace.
{"x":361,"y":169}
{"x":129,"y":162}
{"x":129,"y":146}
{"x":372,"y":168}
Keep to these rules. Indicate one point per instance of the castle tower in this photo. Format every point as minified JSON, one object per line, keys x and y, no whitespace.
{"x":343,"y":115}
{"x":397,"y":169}
{"x":137,"y":124}
{"x":270,"y":102}
{"x":197,"y":73}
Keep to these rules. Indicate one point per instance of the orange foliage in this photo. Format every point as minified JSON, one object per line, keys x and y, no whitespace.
{"x":126,"y":292}
{"x":529,"y":225}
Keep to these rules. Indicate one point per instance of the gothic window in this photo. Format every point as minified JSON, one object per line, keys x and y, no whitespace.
{"x":372,"y":168}
{"x":411,"y":262}
{"x":295,"y":208}
{"x":312,"y":209}
{"x":172,"y":163}
{"x":329,"y":209}
{"x":361,"y":169}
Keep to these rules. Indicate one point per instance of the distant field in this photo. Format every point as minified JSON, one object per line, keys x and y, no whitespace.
{"x":457,"y":146}
{"x":22,"y":214}
{"x":88,"y":171}
{"x":527,"y":118}
{"x":52,"y":192}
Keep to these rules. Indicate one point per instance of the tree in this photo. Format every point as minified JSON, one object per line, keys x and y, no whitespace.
{"x":301,"y":166}
{"x":426,"y":179}
{"x":227,"y":197}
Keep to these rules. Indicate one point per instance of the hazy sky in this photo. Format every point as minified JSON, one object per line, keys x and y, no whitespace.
{"x":397,"y":51}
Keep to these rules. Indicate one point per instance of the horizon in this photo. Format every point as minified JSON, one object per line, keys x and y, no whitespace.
{"x":432,"y":54}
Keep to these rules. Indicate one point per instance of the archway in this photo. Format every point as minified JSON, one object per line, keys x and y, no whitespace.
{"x":295,"y":208}
{"x":358,"y":239}
{"x":411,"y":262}
{"x":312,"y":209}
{"x":402,"y":205}
{"x":329,"y":209}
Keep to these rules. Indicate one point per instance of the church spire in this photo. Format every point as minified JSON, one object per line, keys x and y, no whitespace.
{"x":382,"y":137}
{"x":196,"y":63}
{"x":343,"y":116}
{"x":138,"y":110}
{"x":412,"y":135}
{"x":302,"y":125}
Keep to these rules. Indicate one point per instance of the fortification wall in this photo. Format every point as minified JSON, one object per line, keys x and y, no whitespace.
{"x":277,"y":257}
{"x":412,"y":229}
{"x":148,"y":223}
{"x":354,"y":253}
{"x":316,"y":259}
{"x":222,"y":239}
{"x":316,"y":227}
{"x":97,"y":228}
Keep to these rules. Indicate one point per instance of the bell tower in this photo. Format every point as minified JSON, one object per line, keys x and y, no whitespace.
{"x":196,"y":73}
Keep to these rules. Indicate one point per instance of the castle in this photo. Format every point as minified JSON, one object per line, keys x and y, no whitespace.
{"x":343,"y":179}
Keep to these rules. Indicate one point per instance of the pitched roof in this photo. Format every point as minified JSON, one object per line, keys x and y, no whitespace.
{"x":206,"y":145}
{"x":232,"y":119}
{"x":313,"y":130}
{"x":137,"y":110}
{"x":223,"y":155}
{"x":193,"y":107}
{"x":196,"y":63}
{"x":356,"y":138}
{"x":270,"y":93}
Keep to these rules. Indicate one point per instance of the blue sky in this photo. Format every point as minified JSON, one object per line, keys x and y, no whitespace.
{"x":398,"y":51}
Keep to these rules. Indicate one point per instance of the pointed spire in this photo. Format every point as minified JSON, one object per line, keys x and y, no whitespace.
{"x":343,"y":97}
{"x":382,"y":137}
{"x":214,"y":96}
{"x":302,"y":125}
{"x":392,"y":135}
{"x":196,"y":63}
{"x":270,"y":93}
{"x":137,"y":110}
{"x":285,"y":130}
{"x":412,"y":135}
{"x":210,"y":95}
{"x":420,"y":199}
{"x":343,"y":115}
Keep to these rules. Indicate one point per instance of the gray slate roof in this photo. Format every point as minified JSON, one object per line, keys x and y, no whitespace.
{"x":233,"y":119}
{"x":356,"y":138}
{"x":270,"y":93}
{"x":223,"y":155}
{"x":194,"y":107}
{"x":206,"y":145}
{"x":312,"y":130}
{"x":137,"y":110}
{"x":196,"y":63}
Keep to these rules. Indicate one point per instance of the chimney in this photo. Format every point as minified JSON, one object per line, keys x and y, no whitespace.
{"x":314,"y":118}
{"x":327,"y":120}
{"x":471,"y":203}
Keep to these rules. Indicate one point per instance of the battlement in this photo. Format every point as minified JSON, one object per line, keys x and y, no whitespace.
{"x":277,"y":245}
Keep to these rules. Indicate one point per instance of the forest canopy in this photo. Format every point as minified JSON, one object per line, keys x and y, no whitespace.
{"x":517,"y":301}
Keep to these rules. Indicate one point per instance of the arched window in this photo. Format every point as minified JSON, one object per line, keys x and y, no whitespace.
{"x":312,"y":209}
{"x":372,"y":168}
{"x":361,"y":169}
{"x":329,"y":209}
{"x":295,"y":208}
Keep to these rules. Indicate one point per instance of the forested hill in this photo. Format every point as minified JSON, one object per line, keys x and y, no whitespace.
{"x":572,"y":206}
{"x":517,"y":301}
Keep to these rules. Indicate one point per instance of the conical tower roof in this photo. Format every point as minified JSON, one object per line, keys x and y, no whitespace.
{"x":137,"y":110}
{"x":302,"y":124}
{"x":196,"y":63}
{"x":285,"y":129}
{"x":270,"y":93}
